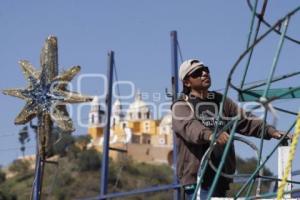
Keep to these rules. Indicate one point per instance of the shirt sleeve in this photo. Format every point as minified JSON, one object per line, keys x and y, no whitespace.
{"x":248,"y":124}
{"x":186,"y":126}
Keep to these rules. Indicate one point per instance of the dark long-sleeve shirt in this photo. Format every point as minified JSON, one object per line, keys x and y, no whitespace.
{"x":194,"y":120}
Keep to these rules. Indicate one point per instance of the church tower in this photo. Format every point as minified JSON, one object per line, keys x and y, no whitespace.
{"x":95,"y":129}
{"x":117,"y":113}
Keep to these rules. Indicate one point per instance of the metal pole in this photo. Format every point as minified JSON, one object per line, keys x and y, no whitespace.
{"x":105,"y":156}
{"x":38,"y":178}
{"x":254,"y":174}
{"x":43,"y":128}
{"x":285,"y":26}
{"x":248,"y":43}
{"x":174,"y":62}
{"x":174,"y":66}
{"x":122,"y":195}
{"x":222,"y":162}
{"x":37,"y":185}
{"x":264,"y":96}
{"x":49,"y":64}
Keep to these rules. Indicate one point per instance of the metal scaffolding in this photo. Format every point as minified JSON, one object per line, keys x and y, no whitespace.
{"x":264,"y":97}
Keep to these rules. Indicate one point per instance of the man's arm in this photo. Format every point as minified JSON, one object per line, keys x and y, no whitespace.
{"x":186,"y":126}
{"x":250,"y":124}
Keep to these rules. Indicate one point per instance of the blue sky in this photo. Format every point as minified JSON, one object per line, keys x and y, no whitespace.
{"x":139,"y":33}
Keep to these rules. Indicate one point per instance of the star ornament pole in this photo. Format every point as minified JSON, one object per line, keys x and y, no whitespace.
{"x":46,"y":96}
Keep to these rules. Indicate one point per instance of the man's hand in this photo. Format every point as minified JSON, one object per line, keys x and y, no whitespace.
{"x":222,"y":138}
{"x":277,"y":135}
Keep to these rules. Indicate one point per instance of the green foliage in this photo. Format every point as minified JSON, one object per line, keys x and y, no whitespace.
{"x":2,"y":176}
{"x":20,"y":166}
{"x":83,"y":141}
{"x":63,"y":142}
{"x":88,"y":160}
{"x":23,"y":138}
{"x":64,"y":179}
{"x":133,"y":175}
{"x":6,"y":196}
{"x":17,"y":187}
{"x":248,"y":166}
{"x":60,"y":141}
{"x":72,"y":152}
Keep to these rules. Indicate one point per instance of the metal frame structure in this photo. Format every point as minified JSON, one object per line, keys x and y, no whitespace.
{"x":105,"y":157}
{"x":264,"y":97}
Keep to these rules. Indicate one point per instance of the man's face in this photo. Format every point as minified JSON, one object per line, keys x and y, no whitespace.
{"x":199,"y":79}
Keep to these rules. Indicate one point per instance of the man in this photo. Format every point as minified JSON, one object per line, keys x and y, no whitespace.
{"x":194,"y":119}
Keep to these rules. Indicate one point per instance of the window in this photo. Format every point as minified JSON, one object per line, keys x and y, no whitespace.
{"x":147,"y":127}
{"x":136,"y":139}
{"x":146,"y":139}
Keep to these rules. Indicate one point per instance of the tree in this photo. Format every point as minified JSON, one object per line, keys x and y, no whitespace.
{"x":23,"y":138}
{"x":82,"y":141}
{"x":7,"y":196}
{"x":248,"y":166}
{"x":2,"y":175}
{"x":59,"y":142}
{"x":20,"y":166}
{"x":89,"y":160}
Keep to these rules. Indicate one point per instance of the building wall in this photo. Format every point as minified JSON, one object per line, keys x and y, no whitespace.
{"x":95,"y":132}
{"x":162,"y":140}
{"x":148,"y":153}
{"x":149,"y":143}
{"x":149,"y":126}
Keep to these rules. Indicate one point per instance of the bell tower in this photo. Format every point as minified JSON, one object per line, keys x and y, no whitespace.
{"x":95,"y":129}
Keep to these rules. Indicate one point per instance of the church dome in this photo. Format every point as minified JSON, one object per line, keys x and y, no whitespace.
{"x":138,"y":105}
{"x":117,"y":103}
{"x":166,"y":120}
{"x":138,"y":110}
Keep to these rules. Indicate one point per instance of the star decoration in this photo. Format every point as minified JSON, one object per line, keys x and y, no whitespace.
{"x":42,"y":96}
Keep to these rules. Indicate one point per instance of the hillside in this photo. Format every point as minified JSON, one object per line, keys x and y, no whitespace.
{"x":77,"y":175}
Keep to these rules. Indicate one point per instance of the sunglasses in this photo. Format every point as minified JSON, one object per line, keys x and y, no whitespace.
{"x":199,"y":72}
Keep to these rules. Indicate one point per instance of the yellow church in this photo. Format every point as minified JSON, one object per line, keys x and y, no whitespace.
{"x":133,"y":132}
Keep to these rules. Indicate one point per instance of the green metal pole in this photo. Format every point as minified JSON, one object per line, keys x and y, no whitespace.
{"x":260,"y":149}
{"x":273,"y":80}
{"x":275,"y":61}
{"x":226,"y":150}
{"x":205,"y":163}
{"x":248,"y":43}
{"x":263,"y":163}
{"x":214,"y":135}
